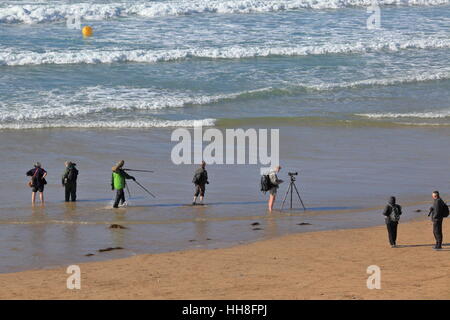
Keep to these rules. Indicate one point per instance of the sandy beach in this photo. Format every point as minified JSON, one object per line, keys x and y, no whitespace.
{"x":316,"y":265}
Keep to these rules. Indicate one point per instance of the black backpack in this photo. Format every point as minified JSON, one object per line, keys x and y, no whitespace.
{"x":445,"y":213}
{"x":395,"y":213}
{"x":72,"y":175}
{"x":266,"y":184}
{"x":199,"y":178}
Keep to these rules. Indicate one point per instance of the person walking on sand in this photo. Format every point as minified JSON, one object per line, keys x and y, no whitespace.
{"x":438,"y":212}
{"x":200,"y":181}
{"x":275,"y":182}
{"x":69,"y":181}
{"x":392,"y":213}
{"x":37,"y":182}
{"x":118,"y":182}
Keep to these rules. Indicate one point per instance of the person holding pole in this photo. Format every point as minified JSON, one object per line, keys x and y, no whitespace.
{"x":118,"y":182}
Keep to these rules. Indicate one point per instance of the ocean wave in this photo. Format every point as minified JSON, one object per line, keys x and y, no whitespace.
{"x":138,"y":124}
{"x":47,"y":12}
{"x":90,"y":101}
{"x":57,"y":104}
{"x":10,"y":57}
{"x":324,"y":120}
{"x":438,"y":114}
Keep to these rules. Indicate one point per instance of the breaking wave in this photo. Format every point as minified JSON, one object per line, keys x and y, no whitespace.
{"x":439,"y":114}
{"x":10,"y":57}
{"x":47,"y":12}
{"x":139,"y":124}
{"x":99,"y":100}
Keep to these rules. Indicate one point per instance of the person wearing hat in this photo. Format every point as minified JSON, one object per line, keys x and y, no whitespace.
{"x":118,"y":182}
{"x":392,"y":213}
{"x":69,"y":181}
{"x":37,"y":182}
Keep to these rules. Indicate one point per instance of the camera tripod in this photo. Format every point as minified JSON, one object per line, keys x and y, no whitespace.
{"x":290,"y":189}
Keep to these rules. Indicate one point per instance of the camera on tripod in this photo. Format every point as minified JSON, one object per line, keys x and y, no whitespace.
{"x":290,"y":190}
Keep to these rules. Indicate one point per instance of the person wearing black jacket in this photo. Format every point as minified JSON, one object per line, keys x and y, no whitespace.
{"x":392,"y":213}
{"x":69,"y":181}
{"x":437,"y":216}
{"x":200,"y":181}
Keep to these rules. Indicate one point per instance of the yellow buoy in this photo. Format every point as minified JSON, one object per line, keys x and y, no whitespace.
{"x":87,"y":31}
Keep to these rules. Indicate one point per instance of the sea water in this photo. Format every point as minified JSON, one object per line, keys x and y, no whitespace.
{"x":363,"y":114}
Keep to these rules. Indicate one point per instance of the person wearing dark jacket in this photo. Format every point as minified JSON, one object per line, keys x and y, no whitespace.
{"x":392,"y":213}
{"x":69,"y":181}
{"x":437,"y":216}
{"x":118,"y":182}
{"x":200,"y":181}
{"x":37,"y":182}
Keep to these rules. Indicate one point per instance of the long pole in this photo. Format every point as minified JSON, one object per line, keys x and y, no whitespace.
{"x":145,"y":189}
{"x":137,"y":170}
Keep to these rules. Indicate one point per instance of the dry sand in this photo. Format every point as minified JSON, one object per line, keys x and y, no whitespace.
{"x":319,"y":265}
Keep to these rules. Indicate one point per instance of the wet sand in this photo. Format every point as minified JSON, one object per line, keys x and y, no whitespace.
{"x":316,"y":265}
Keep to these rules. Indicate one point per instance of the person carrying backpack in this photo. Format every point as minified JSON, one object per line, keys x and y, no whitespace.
{"x":37,"y":182}
{"x":392,"y":213}
{"x":200,"y":181}
{"x":274,"y":184}
{"x":69,"y":181}
{"x":438,"y":212}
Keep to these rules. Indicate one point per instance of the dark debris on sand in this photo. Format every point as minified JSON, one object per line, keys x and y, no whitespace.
{"x":304,"y":224}
{"x":110,"y":249}
{"x":255,"y":224}
{"x":117,"y":226}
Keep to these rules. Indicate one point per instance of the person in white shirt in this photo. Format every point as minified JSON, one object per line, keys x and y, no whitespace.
{"x":275,"y":183}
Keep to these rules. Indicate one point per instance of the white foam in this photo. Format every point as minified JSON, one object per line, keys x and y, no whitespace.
{"x":141,"y":124}
{"x":93,"y":101}
{"x":96,"y":100}
{"x":50,"y":12}
{"x":11,"y":57}
{"x":439,"y":114}
{"x":417,"y":76}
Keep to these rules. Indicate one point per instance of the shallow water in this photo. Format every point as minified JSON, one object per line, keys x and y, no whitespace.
{"x":345,"y":177}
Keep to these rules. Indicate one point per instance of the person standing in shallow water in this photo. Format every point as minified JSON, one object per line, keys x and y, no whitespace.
{"x":69,"y":181}
{"x":37,"y":182}
{"x":118,"y":182}
{"x":392,"y":213}
{"x":275,"y":185}
{"x":200,"y":181}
